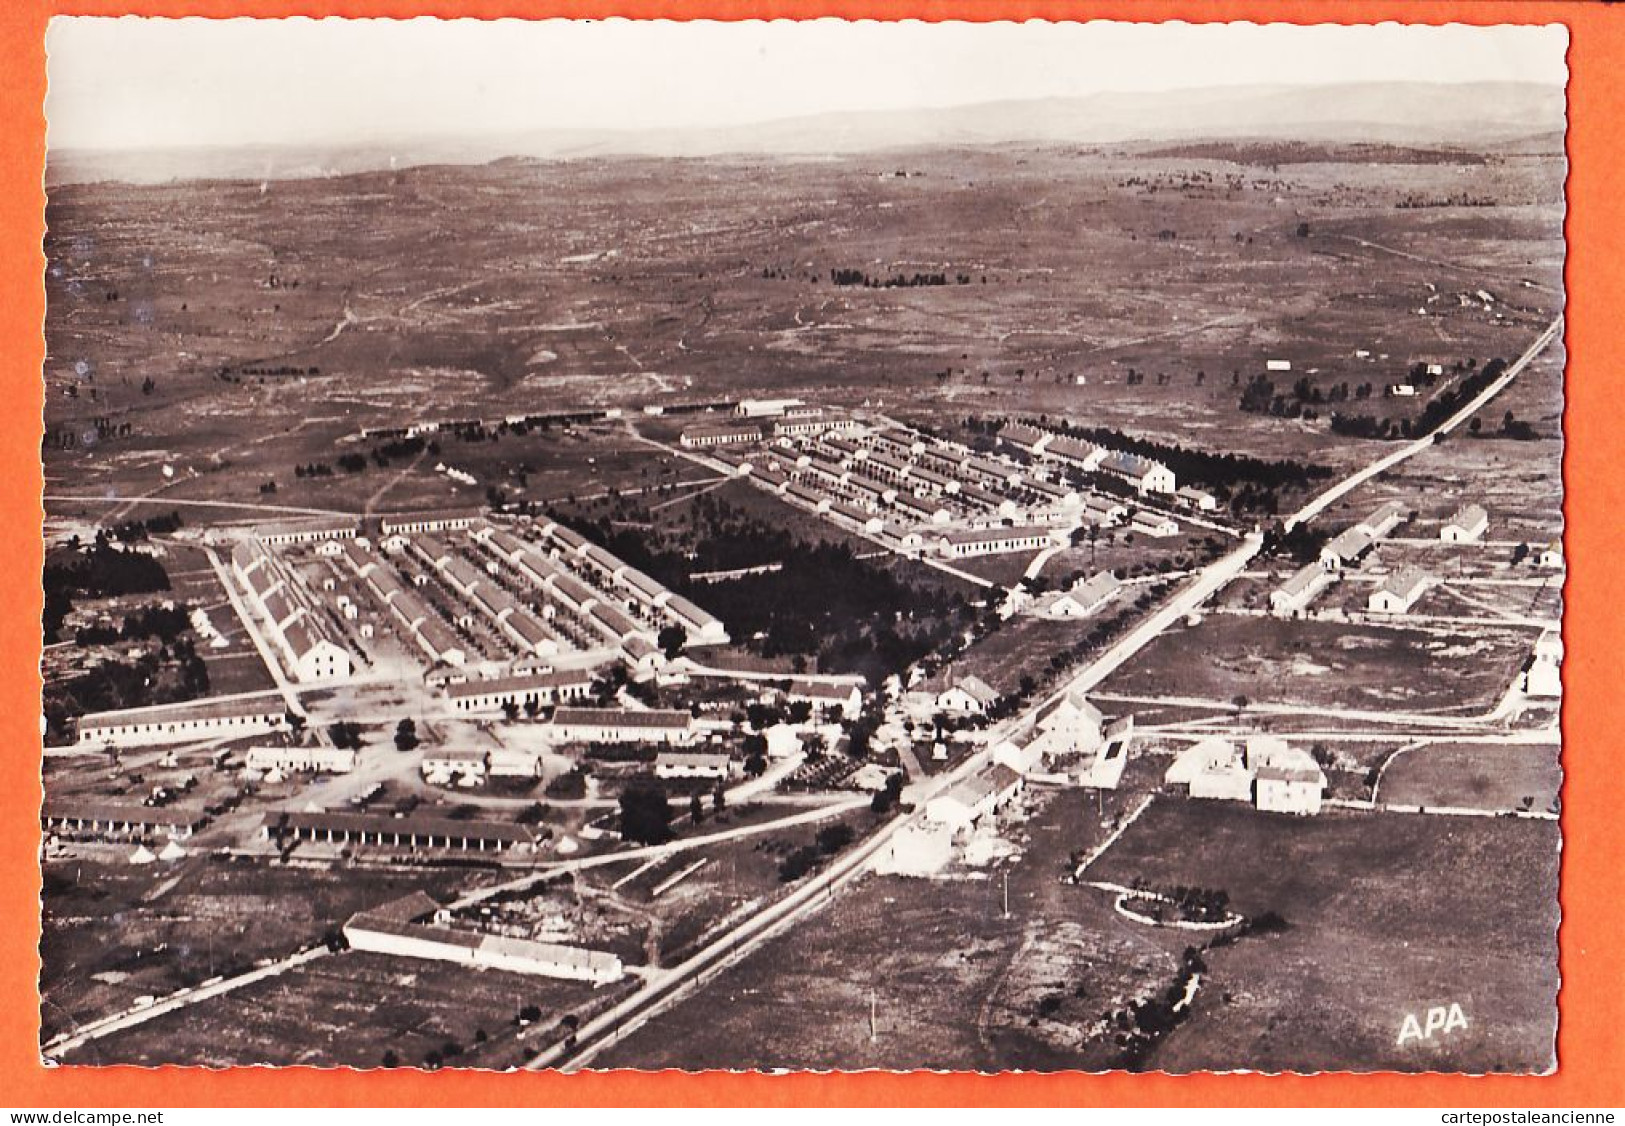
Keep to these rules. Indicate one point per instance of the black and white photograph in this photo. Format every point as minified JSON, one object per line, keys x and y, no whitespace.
{"x":827,"y":545}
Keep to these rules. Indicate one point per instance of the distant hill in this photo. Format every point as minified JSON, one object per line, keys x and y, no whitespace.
{"x":1390,"y":113}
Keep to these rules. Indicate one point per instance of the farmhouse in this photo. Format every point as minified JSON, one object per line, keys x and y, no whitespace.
{"x":117,"y":821}
{"x":412,"y":928}
{"x":234,"y":717}
{"x":971,"y":799}
{"x":1081,"y":599}
{"x":1285,"y":779}
{"x":993,"y":541}
{"x":703,"y":437}
{"x":845,"y":697}
{"x":969,"y":695}
{"x":1399,"y":591}
{"x":298,"y":760}
{"x":1104,"y":510}
{"x":1212,"y":768}
{"x":1543,"y":677}
{"x":396,"y":832}
{"x":524,"y":692}
{"x":620,"y":725}
{"x":1066,"y":728}
{"x":693,"y":764}
{"x":1466,"y":525}
{"x":1297,"y":592}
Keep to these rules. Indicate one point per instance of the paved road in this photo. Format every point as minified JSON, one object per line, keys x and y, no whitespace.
{"x":1320,"y":503}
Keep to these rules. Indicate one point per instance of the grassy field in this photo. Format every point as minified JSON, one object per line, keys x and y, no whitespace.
{"x":350,"y":1009}
{"x":1476,"y":776}
{"x":1077,"y":265}
{"x":1386,"y":915}
{"x":1329,"y":665}
{"x":113,"y":933}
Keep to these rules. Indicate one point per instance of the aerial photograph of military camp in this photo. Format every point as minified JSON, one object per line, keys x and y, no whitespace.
{"x":810,"y":546}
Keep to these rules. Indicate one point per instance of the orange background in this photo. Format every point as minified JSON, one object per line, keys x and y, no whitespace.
{"x":1591,"y":1068}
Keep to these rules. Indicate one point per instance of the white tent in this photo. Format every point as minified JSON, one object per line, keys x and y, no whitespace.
{"x":172,"y":851}
{"x":142,"y":856}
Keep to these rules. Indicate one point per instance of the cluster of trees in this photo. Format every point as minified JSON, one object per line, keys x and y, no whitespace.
{"x":888,"y":796}
{"x":1511,"y":427}
{"x":346,"y":735}
{"x":1225,"y":473}
{"x":1146,"y":1022}
{"x":398,"y":449}
{"x":279,"y":370}
{"x":1301,"y":545}
{"x":829,"y":840}
{"x":314,"y":469}
{"x":645,"y":814}
{"x":137,"y":531}
{"x":823,"y":601}
{"x":1433,"y":415}
{"x":166,"y":623}
{"x":104,"y":571}
{"x":173,"y":673}
{"x":896,"y":281}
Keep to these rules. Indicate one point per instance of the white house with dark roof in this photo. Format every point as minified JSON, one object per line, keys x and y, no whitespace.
{"x":821,"y":694}
{"x":1286,"y":779}
{"x":1080,"y":600}
{"x":968,"y":695}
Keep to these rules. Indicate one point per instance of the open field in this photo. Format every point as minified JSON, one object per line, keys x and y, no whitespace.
{"x":113,"y":933}
{"x":350,"y":1009}
{"x":1386,"y":915}
{"x":1475,"y":776}
{"x":1329,"y":665}
{"x":598,"y":290}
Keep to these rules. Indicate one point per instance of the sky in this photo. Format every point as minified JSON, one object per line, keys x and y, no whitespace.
{"x":136,"y":83}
